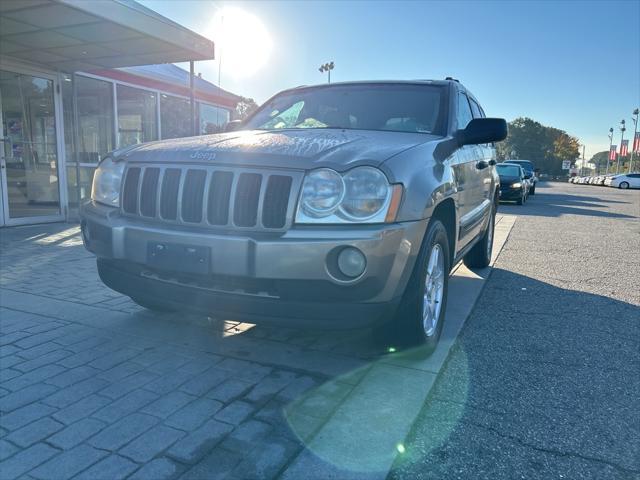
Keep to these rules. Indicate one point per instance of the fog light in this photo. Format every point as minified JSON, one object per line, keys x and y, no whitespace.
{"x":351,"y":262}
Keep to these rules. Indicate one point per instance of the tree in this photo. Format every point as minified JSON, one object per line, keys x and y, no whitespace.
{"x":600,"y":159}
{"x":546,"y":146}
{"x":565,"y":147}
{"x":244,"y":108}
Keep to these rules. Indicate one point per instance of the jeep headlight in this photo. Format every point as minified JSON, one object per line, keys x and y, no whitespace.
{"x":322,"y":192}
{"x":107,"y":181}
{"x":361,"y":195}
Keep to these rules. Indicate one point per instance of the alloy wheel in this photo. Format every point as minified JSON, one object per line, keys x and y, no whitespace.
{"x":433,"y":291}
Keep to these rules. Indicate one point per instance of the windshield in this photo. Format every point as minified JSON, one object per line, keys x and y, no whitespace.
{"x":396,"y":107}
{"x":508,"y":170}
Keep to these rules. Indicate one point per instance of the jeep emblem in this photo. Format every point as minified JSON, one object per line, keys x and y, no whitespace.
{"x":203,"y":156}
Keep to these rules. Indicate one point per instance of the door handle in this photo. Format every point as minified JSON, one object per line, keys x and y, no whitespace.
{"x":482,"y":164}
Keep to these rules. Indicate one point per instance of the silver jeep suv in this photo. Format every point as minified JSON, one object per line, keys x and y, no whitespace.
{"x":341,"y":205}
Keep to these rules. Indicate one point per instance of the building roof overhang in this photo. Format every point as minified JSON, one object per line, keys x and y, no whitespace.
{"x":78,"y":35}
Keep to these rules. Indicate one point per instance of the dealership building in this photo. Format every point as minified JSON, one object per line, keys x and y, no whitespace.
{"x":79,"y":79}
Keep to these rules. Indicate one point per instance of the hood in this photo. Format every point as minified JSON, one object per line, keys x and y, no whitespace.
{"x":292,"y":149}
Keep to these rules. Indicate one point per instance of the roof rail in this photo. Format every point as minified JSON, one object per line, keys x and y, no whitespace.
{"x":453,"y":79}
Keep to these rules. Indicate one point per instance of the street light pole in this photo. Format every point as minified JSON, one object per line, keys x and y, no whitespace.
{"x":609,"y":157}
{"x":622,"y":129}
{"x":327,"y":67}
{"x":635,"y":132}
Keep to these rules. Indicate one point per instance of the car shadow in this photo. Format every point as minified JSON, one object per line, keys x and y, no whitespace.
{"x":562,"y":204}
{"x":538,"y":371}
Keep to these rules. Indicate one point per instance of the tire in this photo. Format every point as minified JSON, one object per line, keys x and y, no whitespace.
{"x":520,"y":201}
{"x":624,"y":185}
{"x":533,"y":190}
{"x":410,"y":325}
{"x":480,"y":255}
{"x":153,"y":305}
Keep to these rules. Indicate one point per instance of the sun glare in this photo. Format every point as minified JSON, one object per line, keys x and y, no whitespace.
{"x":242,"y":42}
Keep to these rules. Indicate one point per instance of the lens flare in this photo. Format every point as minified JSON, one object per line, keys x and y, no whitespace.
{"x":243,"y":43}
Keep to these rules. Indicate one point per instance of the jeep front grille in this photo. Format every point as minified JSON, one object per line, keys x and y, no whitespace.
{"x":211,"y":196}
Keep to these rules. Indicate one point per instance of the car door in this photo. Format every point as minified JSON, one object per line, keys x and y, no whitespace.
{"x":474,"y":213}
{"x":487,"y":153}
{"x":634,"y":180}
{"x":464,"y":170}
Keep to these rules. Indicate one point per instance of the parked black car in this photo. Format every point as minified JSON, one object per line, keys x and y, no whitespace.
{"x":513,"y":183}
{"x":530,"y":170}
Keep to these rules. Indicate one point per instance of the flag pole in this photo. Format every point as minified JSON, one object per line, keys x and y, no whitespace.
{"x":635,"y":134}
{"x":622,"y":129}
{"x":609,"y":157}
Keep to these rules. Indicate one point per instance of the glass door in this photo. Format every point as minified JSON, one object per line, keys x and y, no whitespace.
{"x":29,"y":157}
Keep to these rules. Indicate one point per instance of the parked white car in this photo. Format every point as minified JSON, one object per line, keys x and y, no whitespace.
{"x":630,"y":180}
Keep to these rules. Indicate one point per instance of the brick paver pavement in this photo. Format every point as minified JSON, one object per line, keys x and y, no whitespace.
{"x":94,"y":386}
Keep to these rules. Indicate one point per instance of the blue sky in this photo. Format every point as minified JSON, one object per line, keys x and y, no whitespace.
{"x":572,"y":65}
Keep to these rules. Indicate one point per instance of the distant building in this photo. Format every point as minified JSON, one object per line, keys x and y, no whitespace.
{"x":79,"y":79}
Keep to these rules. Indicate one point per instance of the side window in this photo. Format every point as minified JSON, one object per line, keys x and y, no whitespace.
{"x":464,"y":113}
{"x":475,"y":108}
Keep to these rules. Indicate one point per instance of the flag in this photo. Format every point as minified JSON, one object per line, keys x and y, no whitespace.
{"x":612,"y":153}
{"x":636,"y":143}
{"x":624,"y":148}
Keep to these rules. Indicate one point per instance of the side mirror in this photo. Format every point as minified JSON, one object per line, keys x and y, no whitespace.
{"x":527,"y":176}
{"x":483,"y":130}
{"x":233,"y":125}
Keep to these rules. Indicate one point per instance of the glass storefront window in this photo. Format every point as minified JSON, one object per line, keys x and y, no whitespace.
{"x":212,"y":119}
{"x":30,"y":146}
{"x":95,"y":119}
{"x":136,"y":116}
{"x":174,"y":116}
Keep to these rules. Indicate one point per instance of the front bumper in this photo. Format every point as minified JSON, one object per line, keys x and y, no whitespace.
{"x":282,"y":278}
{"x":510,"y":193}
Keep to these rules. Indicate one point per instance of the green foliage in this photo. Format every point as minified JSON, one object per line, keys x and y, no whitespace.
{"x":599,"y":160}
{"x":545,"y":146}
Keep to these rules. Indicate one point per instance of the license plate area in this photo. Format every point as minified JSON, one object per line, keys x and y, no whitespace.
{"x":178,"y":257}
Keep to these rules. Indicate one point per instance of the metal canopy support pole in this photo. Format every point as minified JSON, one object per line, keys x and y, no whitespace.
{"x":192,"y":98}
{"x":76,"y":135}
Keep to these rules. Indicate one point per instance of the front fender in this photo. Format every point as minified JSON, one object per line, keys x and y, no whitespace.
{"x":426,"y":180}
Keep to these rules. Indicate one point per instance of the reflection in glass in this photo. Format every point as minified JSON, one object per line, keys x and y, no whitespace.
{"x":30,"y":145}
{"x":212,"y":119}
{"x":95,"y":119}
{"x":174,"y":116}
{"x":136,"y":116}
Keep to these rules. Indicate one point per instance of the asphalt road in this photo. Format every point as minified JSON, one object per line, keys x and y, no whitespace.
{"x":544,"y":380}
